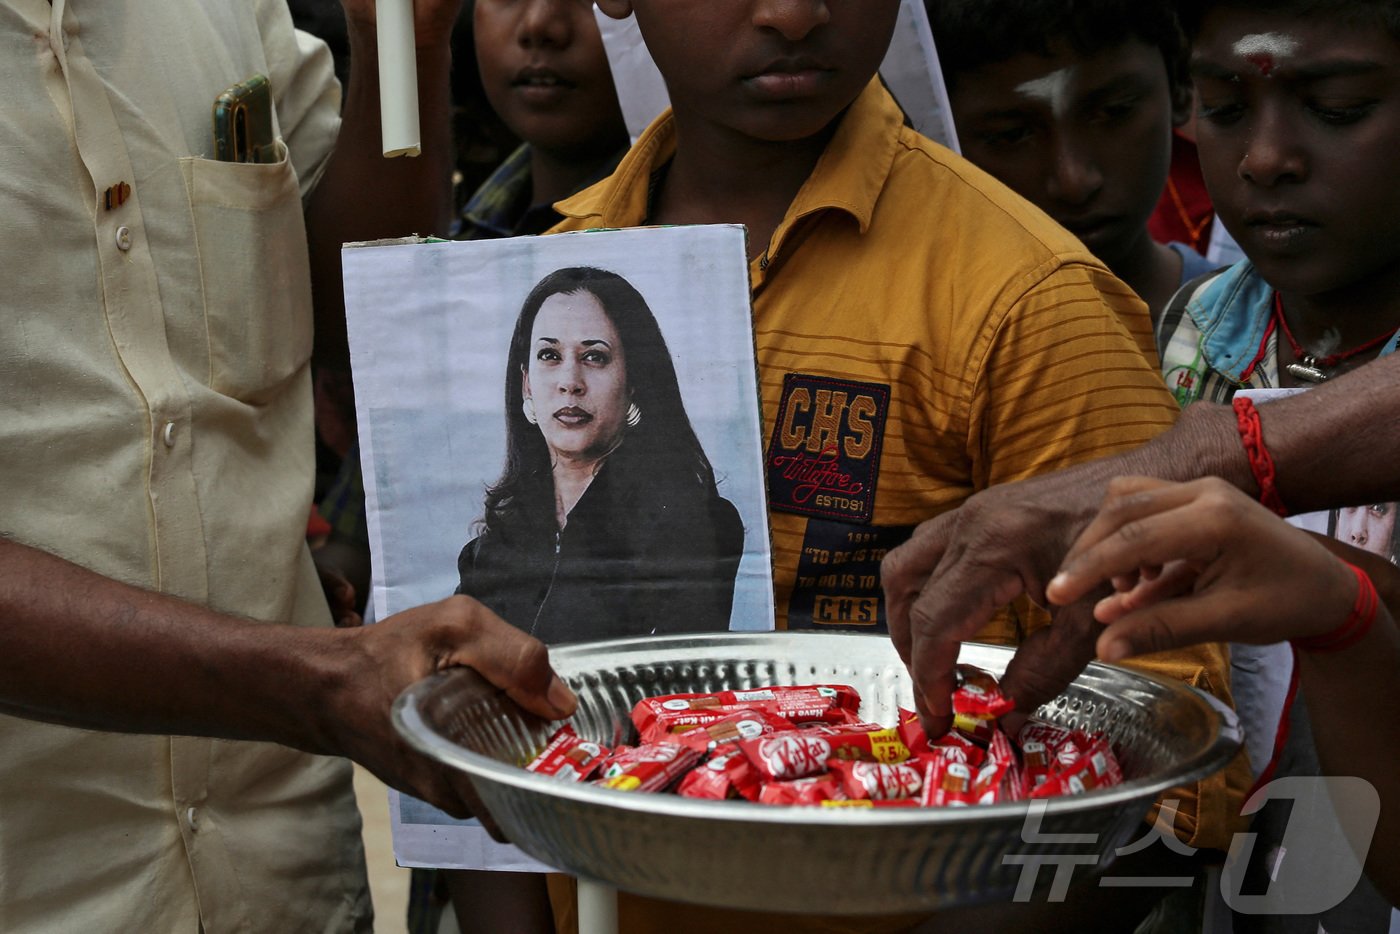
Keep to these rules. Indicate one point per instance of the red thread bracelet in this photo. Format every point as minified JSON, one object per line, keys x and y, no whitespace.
{"x":1354,"y":628}
{"x":1260,"y":463}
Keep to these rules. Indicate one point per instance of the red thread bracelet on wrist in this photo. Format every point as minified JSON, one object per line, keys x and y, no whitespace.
{"x":1354,"y":628}
{"x":1261,"y":465}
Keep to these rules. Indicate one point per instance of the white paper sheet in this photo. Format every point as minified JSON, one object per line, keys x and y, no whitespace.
{"x":430,"y":325}
{"x":913,"y":75}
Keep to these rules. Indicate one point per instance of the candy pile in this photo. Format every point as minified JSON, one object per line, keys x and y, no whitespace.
{"x":808,"y":745}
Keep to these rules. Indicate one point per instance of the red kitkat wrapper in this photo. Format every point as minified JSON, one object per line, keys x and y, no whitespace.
{"x":977,"y":729}
{"x":946,"y":783}
{"x":911,"y":732}
{"x":649,"y":767}
{"x":1071,"y":750}
{"x":728,"y":775}
{"x":673,"y":713}
{"x":878,"y":781}
{"x":958,"y":748}
{"x":730,"y":728}
{"x":814,"y":789}
{"x":1096,"y":767}
{"x":799,"y":753}
{"x":978,"y":694}
{"x":977,"y":703}
{"x":997,"y":780}
{"x":567,"y":757}
{"x":1099,"y":765}
{"x":1052,"y":735}
{"x":786,"y":756}
{"x":1038,"y":763}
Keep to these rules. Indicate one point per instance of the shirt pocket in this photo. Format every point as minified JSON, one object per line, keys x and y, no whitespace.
{"x":250,"y":239}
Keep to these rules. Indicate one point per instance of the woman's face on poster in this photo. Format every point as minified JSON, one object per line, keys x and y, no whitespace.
{"x":1367,"y":527}
{"x":576,"y":376}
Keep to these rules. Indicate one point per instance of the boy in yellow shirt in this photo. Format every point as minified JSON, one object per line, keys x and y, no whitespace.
{"x":922,"y":332}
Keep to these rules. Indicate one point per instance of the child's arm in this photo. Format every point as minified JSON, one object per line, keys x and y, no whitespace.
{"x":1383,"y":574}
{"x":1223,"y":568}
{"x":362,"y":195}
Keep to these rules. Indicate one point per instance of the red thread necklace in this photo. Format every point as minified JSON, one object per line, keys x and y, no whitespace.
{"x":1312,"y":368}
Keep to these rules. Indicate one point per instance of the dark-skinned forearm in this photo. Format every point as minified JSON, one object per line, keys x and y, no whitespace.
{"x":364,"y":196}
{"x":1335,"y":445}
{"x":83,"y":650}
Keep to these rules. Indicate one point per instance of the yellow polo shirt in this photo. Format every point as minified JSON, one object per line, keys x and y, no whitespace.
{"x":923,"y":333}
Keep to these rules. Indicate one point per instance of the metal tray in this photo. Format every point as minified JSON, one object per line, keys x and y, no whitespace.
{"x":831,"y":861}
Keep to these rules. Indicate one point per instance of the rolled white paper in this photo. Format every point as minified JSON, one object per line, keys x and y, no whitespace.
{"x":398,"y":78}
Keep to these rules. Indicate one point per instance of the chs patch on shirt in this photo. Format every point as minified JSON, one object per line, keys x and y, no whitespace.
{"x":824,"y":457}
{"x":838,"y":576}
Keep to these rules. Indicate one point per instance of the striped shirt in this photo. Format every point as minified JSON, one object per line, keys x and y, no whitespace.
{"x":922,"y":334}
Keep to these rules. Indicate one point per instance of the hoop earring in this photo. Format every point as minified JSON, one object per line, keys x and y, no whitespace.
{"x":634,"y":415}
{"x":528,"y":406}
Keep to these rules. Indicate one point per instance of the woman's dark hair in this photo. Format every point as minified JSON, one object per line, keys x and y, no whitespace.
{"x":973,"y":33}
{"x":1382,"y":13}
{"x":662,"y":448}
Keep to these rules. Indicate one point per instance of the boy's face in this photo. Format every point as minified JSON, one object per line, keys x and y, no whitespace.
{"x":546,"y":74}
{"x":1299,"y":137}
{"x":1087,"y":139}
{"x":773,"y":70}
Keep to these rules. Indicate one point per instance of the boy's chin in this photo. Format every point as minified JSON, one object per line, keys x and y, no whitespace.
{"x":1312,"y":277}
{"x":791,"y":122}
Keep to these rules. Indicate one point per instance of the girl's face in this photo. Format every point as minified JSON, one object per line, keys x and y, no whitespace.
{"x":546,"y":73}
{"x":576,"y":377}
{"x":1298,"y":129}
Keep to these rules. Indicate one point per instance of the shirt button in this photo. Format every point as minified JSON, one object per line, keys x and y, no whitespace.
{"x":123,"y":238}
{"x":168,"y":434}
{"x":191,"y":818}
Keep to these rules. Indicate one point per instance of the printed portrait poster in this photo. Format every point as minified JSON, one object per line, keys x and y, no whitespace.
{"x":566,"y":428}
{"x":910,"y":71}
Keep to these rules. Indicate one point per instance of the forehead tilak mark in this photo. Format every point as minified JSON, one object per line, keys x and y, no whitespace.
{"x":1265,"y":50}
{"x":1053,"y":89}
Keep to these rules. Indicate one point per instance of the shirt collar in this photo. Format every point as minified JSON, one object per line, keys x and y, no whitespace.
{"x":849,"y":176}
{"x":856,"y":164}
{"x":494,"y":206}
{"x":1234,"y":313}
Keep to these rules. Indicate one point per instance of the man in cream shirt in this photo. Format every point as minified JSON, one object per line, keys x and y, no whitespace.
{"x":156,"y":327}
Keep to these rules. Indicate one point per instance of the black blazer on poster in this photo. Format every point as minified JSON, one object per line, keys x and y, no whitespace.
{"x":640,"y":554}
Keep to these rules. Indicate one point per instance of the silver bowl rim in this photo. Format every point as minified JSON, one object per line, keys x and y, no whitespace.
{"x":410,"y":724}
